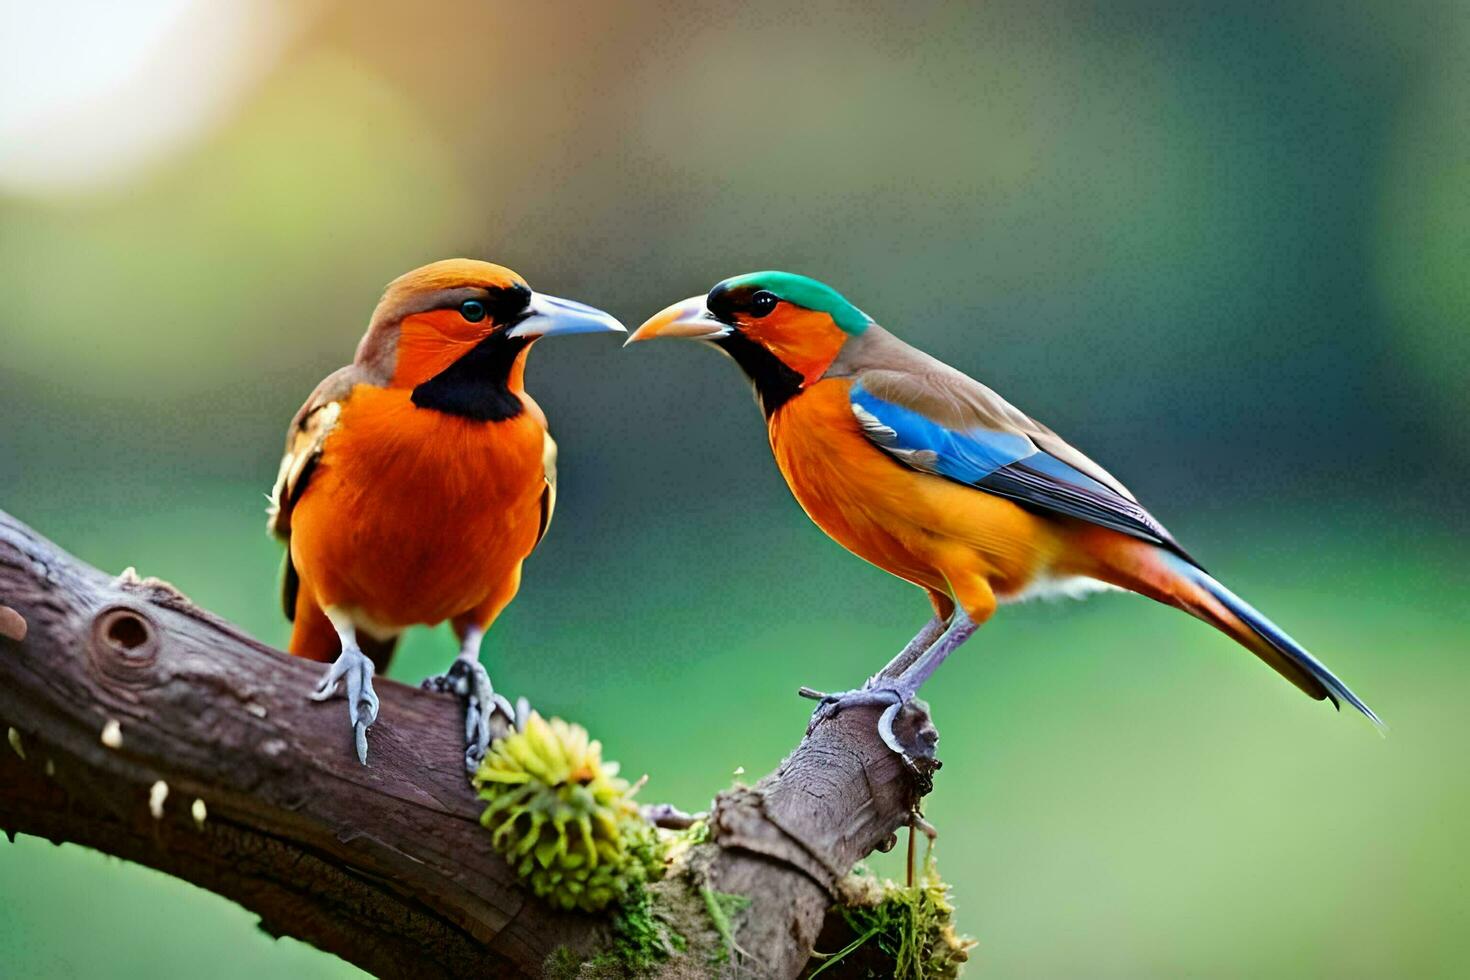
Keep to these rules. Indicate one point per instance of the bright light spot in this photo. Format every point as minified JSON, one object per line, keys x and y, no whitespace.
{"x":92,"y":92}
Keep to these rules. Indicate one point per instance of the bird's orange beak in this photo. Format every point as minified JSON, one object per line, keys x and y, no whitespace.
{"x":690,"y":319}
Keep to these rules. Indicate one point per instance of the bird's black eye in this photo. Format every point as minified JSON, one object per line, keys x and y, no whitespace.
{"x":762,"y":303}
{"x":472,"y":310}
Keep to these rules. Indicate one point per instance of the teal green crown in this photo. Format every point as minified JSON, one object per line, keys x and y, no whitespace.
{"x":808,"y":292}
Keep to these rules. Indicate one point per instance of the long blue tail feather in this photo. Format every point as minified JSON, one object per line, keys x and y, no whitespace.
{"x":1278,"y":638}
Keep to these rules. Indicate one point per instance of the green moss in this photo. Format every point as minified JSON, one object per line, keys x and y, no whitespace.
{"x":564,"y":820}
{"x":561,"y":964}
{"x":898,"y":931}
{"x":722,"y":906}
{"x":642,"y":937}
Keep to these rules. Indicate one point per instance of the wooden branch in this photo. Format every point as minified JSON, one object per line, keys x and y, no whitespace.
{"x":151,"y":729}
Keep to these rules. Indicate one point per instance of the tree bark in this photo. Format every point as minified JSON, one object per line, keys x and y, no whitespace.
{"x":146,"y":727}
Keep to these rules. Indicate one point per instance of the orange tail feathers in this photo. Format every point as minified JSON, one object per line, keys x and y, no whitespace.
{"x":1165,"y":577}
{"x":315,"y":638}
{"x":312,"y":634}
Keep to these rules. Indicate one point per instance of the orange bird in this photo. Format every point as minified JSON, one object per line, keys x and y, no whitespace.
{"x":930,"y":475}
{"x":418,"y":478}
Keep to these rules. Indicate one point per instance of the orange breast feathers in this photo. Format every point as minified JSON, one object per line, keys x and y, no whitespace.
{"x":931,"y":531}
{"x":414,"y":516}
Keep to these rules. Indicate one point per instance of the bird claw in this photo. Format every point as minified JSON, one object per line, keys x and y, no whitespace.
{"x":467,"y":678}
{"x":355,"y":669}
{"x":918,"y":758}
{"x":831,"y":705}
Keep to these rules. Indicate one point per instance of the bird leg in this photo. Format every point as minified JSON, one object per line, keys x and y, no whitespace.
{"x":879,"y":683}
{"x":961,"y":628}
{"x":911,"y":650}
{"x":468,"y":678}
{"x":353,"y":666}
{"x":895,"y":692}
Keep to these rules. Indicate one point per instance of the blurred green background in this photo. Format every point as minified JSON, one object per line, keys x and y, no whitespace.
{"x":1225,"y":248}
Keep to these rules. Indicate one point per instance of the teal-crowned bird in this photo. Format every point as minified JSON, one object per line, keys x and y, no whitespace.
{"x":930,"y":475}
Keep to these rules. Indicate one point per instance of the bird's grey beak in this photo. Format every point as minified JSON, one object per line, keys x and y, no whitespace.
{"x":550,"y":316}
{"x":690,"y":319}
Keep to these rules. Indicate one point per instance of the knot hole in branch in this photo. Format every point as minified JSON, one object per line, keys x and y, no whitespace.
{"x":124,"y":640}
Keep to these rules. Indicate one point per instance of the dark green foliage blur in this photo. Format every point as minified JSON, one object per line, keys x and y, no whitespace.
{"x":1221,"y":247}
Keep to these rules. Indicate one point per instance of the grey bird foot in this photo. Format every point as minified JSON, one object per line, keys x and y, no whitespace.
{"x":356,"y":669}
{"x":918,"y":754}
{"x":891,"y":699}
{"x":468,"y":679}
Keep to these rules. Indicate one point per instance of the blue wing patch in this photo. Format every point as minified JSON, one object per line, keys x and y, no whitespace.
{"x":1066,"y":473}
{"x":1006,"y":464}
{"x":926,"y":445}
